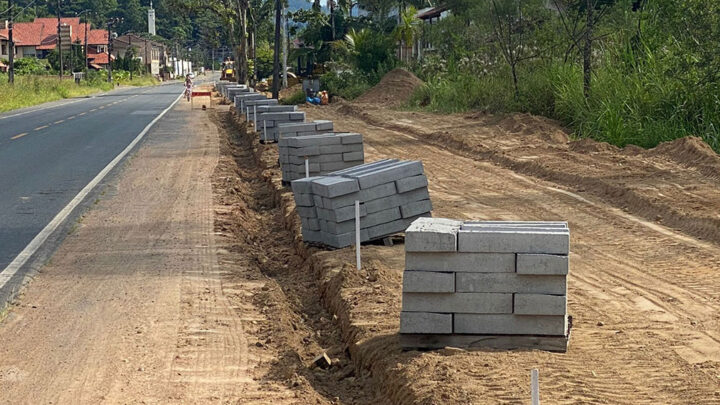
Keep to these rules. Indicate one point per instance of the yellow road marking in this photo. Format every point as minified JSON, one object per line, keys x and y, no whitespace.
{"x":59,"y":122}
{"x":19,"y":136}
{"x":42,"y":127}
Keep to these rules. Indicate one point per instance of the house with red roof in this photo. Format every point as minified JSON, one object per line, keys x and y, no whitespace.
{"x":39,"y":37}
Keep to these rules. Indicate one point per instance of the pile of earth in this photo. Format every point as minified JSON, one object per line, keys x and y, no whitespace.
{"x":395,"y":89}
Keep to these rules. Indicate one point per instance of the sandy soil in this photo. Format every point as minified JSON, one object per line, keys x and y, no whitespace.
{"x":643,"y":290}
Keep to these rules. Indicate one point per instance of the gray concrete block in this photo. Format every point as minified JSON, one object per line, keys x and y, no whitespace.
{"x":329,"y":158}
{"x":312,"y":236}
{"x":314,"y":167}
{"x":353,"y":156}
{"x":366,"y":221}
{"x":510,"y":283}
{"x":259,"y":102}
{"x":388,"y":174}
{"x":331,"y":166}
{"x":411,"y":183}
{"x":304,"y":200}
{"x":312,"y":224}
{"x":522,"y":224}
{"x":350,"y":138}
{"x":432,"y":235}
{"x":334,"y":186}
{"x":341,"y":148}
{"x":542,"y":264}
{"x":390,"y":228}
{"x":318,"y":201}
{"x":381,"y":191}
{"x":306,"y":212}
{"x":367,"y":167}
{"x":416,"y":208}
{"x":307,"y":151}
{"x":514,"y":241}
{"x":397,"y":200}
{"x":314,"y":140}
{"x":461,"y":262}
{"x":426,"y":323}
{"x":428,"y":282}
{"x":487,"y":324}
{"x":324,"y":125}
{"x":467,"y":303}
{"x":303,"y":186}
{"x":341,"y":214}
{"x":540,"y":304}
{"x":344,"y":240}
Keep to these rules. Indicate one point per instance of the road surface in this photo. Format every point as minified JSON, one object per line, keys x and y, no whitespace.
{"x":49,"y":153}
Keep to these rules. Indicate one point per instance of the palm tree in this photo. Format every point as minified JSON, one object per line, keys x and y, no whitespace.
{"x":406,"y":29}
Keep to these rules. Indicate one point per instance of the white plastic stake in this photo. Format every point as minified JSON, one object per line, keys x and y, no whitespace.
{"x":357,"y":235}
{"x":247,"y":114}
{"x":254,"y":114}
{"x":535,"y":386}
{"x":307,"y":167}
{"x":265,"y":131}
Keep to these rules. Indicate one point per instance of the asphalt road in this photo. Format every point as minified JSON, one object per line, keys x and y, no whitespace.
{"x":50,"y":153}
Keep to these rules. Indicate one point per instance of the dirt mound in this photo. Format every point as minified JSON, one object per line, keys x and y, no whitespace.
{"x":590,"y":146}
{"x":531,"y":125}
{"x":394,"y":89}
{"x":690,"y":150}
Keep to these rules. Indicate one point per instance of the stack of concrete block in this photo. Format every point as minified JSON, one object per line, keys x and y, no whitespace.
{"x":291,"y":130}
{"x":220,"y":86}
{"x":232,"y":91}
{"x":224,"y":87}
{"x":252,"y":105}
{"x":392,"y":194}
{"x":325,"y":153}
{"x":487,"y":283}
{"x":267,"y":123}
{"x":262,"y":109}
{"x":240,"y":99}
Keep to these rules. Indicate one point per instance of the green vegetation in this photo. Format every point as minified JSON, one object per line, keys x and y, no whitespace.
{"x":652,"y":74}
{"x":295,"y":99}
{"x":33,"y":90}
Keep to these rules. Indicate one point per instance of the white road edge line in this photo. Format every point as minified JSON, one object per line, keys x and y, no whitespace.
{"x":41,"y":237}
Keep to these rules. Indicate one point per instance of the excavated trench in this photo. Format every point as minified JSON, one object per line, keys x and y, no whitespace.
{"x":299,"y":327}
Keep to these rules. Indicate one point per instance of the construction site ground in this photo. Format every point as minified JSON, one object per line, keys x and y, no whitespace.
{"x":188,"y":281}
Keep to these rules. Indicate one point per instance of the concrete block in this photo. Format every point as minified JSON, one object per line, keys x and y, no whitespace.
{"x":388,"y":174}
{"x":467,"y":303}
{"x":522,"y":224}
{"x":341,"y":148}
{"x":514,"y":241}
{"x":369,"y":194}
{"x":390,"y":228}
{"x":341,"y":214}
{"x":353,"y":156}
{"x":349,"y":138}
{"x":542,"y":264}
{"x":397,"y":200}
{"x":426,"y":323}
{"x":432,"y":235}
{"x":411,"y":183}
{"x":304,"y":200}
{"x":303,"y":186}
{"x":312,"y":224}
{"x":334,"y":186}
{"x":344,"y":240}
{"x":329,"y":158}
{"x":416,"y":208}
{"x":540,"y":304}
{"x":367,"y":221}
{"x":307,"y":151}
{"x":306,"y":212}
{"x":323,"y":125}
{"x":318,"y":201}
{"x":461,"y":262}
{"x":488,"y":324}
{"x":367,"y":166}
{"x":312,"y":236}
{"x":314,"y":140}
{"x":510,"y":283}
{"x":331,"y":166}
{"x":428,"y":282}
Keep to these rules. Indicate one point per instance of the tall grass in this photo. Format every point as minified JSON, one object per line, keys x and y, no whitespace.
{"x":635,"y":99}
{"x":32,"y":90}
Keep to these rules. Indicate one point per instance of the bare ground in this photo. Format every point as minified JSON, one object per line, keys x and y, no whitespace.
{"x":643,"y":290}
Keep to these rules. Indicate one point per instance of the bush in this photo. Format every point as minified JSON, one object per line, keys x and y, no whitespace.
{"x":296,"y":98}
{"x":345,"y":84}
{"x":30,"y":66}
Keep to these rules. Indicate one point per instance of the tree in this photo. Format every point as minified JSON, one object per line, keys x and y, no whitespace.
{"x":276,"y":61}
{"x":407,"y":28}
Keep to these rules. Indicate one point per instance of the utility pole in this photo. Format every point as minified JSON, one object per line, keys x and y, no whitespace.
{"x":132,"y":55}
{"x":285,"y":49}
{"x":276,"y":59}
{"x":109,"y":44}
{"x":86,"y":45}
{"x":59,"y":41}
{"x":11,"y":43}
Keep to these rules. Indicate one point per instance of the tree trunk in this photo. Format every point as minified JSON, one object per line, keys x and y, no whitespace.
{"x":587,"y":50}
{"x":276,"y":58}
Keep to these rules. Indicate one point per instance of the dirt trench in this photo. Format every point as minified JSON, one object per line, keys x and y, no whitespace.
{"x":297,"y":327}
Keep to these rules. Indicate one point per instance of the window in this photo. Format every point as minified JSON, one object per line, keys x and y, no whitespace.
{"x":3,"y":49}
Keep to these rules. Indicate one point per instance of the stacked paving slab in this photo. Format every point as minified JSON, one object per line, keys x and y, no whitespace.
{"x":392,"y":194}
{"x":485,"y":284}
{"x":262,"y":109}
{"x":267,"y":123}
{"x":325,"y":154}
{"x":241,"y":99}
{"x":291,"y":130}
